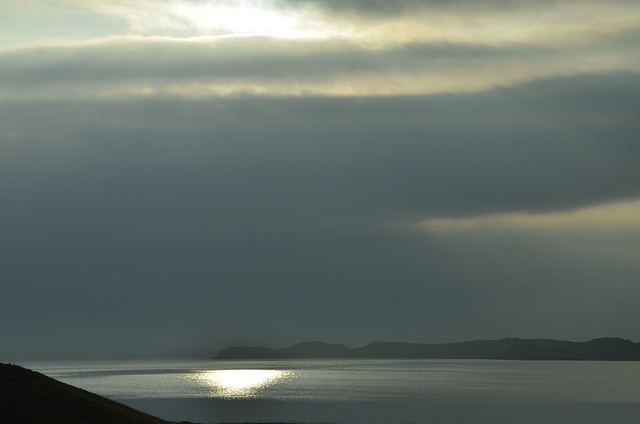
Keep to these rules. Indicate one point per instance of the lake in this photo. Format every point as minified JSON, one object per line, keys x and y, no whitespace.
{"x":365,"y":391}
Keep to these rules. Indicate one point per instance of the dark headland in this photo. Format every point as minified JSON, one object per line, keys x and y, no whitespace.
{"x":28,"y":397}
{"x":603,"y":349}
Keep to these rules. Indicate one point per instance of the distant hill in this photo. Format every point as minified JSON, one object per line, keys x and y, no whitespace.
{"x":27,"y":397}
{"x":604,"y":349}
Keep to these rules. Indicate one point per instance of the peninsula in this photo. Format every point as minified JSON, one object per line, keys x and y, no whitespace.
{"x":603,"y":349}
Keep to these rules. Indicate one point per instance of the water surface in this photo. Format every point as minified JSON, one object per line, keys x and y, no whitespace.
{"x":371,"y":391}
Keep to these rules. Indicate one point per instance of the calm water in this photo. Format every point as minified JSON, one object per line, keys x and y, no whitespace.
{"x":365,"y":391}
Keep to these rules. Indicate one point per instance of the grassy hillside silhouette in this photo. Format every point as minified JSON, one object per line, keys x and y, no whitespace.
{"x":27,"y":397}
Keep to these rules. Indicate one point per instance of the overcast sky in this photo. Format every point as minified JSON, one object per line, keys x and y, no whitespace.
{"x":177,"y":176}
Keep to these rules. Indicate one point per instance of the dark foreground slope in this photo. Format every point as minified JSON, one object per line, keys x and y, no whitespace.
{"x":604,"y":349}
{"x":27,"y":397}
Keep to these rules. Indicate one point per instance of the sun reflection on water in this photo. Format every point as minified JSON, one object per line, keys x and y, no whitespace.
{"x":240,"y":383}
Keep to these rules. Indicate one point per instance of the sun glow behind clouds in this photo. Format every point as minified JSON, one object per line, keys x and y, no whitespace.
{"x":221,"y":18}
{"x":241,"y":18}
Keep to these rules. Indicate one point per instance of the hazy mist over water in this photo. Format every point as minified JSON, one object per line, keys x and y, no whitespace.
{"x":371,"y":391}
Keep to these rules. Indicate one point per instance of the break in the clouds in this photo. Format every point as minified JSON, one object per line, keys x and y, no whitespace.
{"x":380,"y":21}
{"x":180,"y":175}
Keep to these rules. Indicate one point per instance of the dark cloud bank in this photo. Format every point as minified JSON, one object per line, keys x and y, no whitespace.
{"x":150,"y":226}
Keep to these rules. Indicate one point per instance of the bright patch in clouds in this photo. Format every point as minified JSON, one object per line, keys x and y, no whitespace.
{"x":238,"y":19}
{"x":615,"y":216}
{"x":188,"y":18}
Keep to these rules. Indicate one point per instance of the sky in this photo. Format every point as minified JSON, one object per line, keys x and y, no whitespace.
{"x":178,"y":176}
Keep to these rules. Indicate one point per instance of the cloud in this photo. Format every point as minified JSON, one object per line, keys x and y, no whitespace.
{"x":350,"y":163}
{"x":167,"y":221}
{"x":218,"y":66}
{"x":436,"y":47}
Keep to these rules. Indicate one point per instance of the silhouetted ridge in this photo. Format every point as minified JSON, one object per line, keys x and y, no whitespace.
{"x":27,"y":397}
{"x":302,"y":350}
{"x":611,"y":349}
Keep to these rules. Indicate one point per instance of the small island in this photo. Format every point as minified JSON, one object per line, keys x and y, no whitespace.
{"x":602,"y":349}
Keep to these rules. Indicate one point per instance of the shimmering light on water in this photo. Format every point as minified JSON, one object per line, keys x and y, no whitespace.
{"x":239,"y":383}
